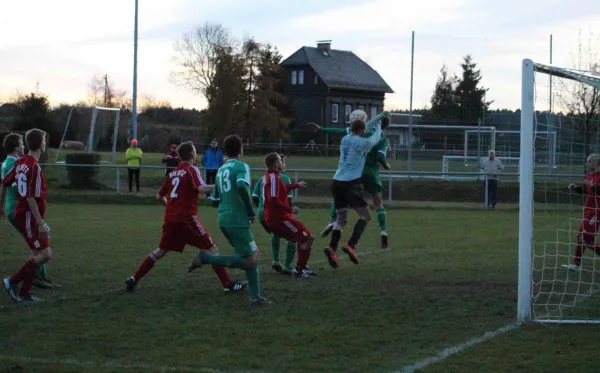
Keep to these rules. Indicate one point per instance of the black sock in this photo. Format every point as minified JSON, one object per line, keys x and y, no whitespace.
{"x":359,"y":228}
{"x":335,"y":239}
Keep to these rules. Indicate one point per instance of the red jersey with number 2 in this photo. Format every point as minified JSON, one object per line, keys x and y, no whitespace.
{"x":181,"y":189}
{"x":28,"y":176}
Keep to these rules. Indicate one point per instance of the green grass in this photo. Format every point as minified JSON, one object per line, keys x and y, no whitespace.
{"x":445,"y":281}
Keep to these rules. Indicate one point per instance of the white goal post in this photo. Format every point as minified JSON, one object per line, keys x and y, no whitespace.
{"x":559,"y":268}
{"x":89,"y":147}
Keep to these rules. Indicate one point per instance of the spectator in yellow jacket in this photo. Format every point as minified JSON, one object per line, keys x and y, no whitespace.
{"x":134,"y":161}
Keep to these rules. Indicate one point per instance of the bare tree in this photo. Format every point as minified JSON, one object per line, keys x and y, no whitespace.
{"x":101,"y":92}
{"x":197,"y":52}
{"x":581,"y":100}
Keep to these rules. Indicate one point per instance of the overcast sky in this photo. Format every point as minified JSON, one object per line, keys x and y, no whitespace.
{"x":63,"y":43}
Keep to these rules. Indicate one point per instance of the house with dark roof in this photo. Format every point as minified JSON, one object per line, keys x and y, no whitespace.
{"x":325,"y":85}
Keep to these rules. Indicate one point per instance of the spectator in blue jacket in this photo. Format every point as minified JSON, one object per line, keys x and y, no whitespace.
{"x":212,"y":159}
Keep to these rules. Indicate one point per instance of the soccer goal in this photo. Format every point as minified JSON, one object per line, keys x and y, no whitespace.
{"x":552,"y":288}
{"x":87,"y":127}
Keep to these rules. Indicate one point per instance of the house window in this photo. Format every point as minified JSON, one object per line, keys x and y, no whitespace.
{"x":301,"y":77}
{"x":315,"y":79}
{"x":294,"y":77}
{"x":373,"y":111}
{"x":335,"y":113}
{"x":348,"y":111}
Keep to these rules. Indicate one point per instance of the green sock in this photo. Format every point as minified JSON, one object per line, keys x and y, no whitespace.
{"x":332,"y":212}
{"x":381,"y":218}
{"x":290,"y":253}
{"x":229,"y":261}
{"x":275,"y":245}
{"x":253,"y":277}
{"x":40,"y":271}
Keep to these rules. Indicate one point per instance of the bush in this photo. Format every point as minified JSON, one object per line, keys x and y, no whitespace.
{"x":83,"y":177}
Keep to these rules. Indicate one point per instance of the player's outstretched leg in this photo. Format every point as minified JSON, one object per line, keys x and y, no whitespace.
{"x":229,"y":286}
{"x":327,"y":230}
{"x":350,"y":247}
{"x":336,"y":235}
{"x":290,"y":253}
{"x":145,"y":266}
{"x":381,"y":219}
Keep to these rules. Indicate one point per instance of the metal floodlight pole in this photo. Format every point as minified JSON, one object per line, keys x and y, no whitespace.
{"x":410,"y":110}
{"x":550,"y":75}
{"x":134,"y":98}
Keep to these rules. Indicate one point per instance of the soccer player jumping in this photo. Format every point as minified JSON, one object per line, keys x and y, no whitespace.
{"x":179,"y":194}
{"x":347,"y":190}
{"x":29,"y":214}
{"x":232,"y":195}
{"x":586,"y":238}
{"x":371,"y":180}
{"x":278,"y":214}
{"x":259,"y":201}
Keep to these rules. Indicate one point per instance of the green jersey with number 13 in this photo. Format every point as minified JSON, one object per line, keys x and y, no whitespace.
{"x":232,"y":208}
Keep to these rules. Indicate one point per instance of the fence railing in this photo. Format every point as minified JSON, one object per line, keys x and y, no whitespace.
{"x":397,"y":185}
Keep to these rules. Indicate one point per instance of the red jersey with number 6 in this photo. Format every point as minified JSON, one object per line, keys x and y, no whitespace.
{"x":181,"y":189}
{"x":28,"y":176}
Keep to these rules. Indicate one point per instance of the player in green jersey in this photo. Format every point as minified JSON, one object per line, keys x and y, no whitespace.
{"x":258,"y":198}
{"x":370,"y":177}
{"x":232,"y":196}
{"x":14,"y":147}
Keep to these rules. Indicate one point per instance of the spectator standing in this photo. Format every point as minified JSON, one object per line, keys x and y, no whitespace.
{"x":171,"y":159}
{"x":212,"y":159}
{"x":134,"y":161}
{"x":491,"y":167}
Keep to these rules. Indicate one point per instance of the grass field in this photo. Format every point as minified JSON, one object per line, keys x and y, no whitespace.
{"x":450,"y":276}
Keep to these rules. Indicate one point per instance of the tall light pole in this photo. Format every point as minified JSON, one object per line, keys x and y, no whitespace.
{"x":134,"y":99}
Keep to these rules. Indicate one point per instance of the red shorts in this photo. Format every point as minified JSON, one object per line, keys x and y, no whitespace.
{"x":289,"y":229}
{"x":590,"y":223}
{"x":190,"y":231}
{"x":28,"y":227}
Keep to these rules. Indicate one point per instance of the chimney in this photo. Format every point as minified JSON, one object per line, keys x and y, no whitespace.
{"x":324,"y":45}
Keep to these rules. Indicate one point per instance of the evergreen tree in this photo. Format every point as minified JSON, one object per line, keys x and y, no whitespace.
{"x":470,"y":96}
{"x":444,"y":103}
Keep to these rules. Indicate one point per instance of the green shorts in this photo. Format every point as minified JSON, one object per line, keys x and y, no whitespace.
{"x":241,"y":239}
{"x":372,"y":183}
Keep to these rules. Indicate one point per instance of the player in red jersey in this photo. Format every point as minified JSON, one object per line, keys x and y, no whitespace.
{"x":29,"y":214}
{"x":278,"y":214}
{"x":586,"y":237}
{"x":181,"y":226}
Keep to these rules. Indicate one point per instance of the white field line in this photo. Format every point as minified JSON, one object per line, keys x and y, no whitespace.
{"x":447,"y":352}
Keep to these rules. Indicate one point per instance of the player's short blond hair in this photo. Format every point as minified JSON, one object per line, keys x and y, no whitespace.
{"x":358,"y":115}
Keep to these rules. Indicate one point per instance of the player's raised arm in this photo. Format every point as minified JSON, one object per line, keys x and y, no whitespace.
{"x":368,"y":142}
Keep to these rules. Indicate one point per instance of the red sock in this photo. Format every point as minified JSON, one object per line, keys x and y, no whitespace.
{"x":145,"y":266}
{"x":303,"y":255}
{"x":26,"y":284}
{"x":223,"y":275}
{"x":24,"y":272}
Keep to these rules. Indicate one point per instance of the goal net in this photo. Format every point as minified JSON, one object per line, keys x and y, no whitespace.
{"x":559,"y":263}
{"x":431,"y":148}
{"x":91,"y":129}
